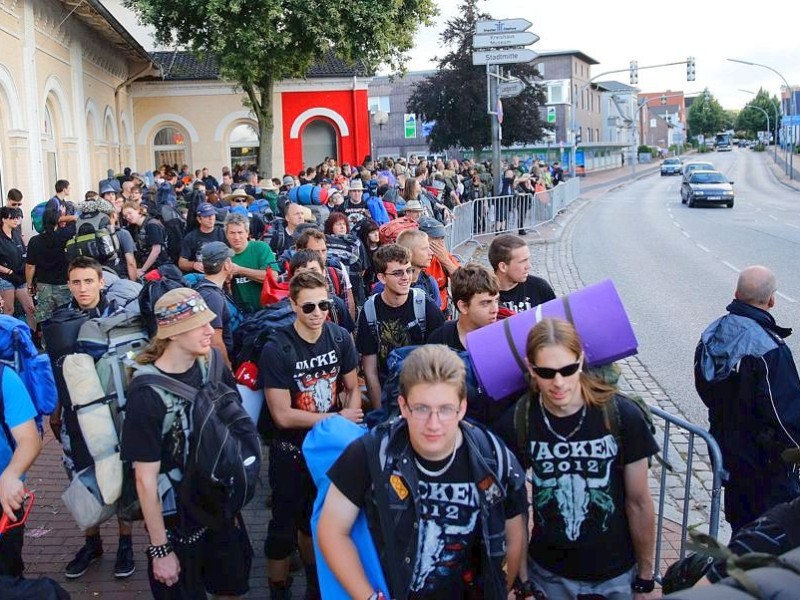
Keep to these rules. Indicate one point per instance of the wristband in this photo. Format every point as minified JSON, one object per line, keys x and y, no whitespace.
{"x":161,"y":551}
{"x":377,"y":596}
{"x":643,"y":586}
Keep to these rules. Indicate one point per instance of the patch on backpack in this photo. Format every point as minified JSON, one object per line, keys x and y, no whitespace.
{"x":399,"y":487}
{"x":491,"y":491}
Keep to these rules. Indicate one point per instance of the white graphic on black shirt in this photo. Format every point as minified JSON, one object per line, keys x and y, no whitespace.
{"x":317,"y":381}
{"x":448,"y":520}
{"x":574,"y":476}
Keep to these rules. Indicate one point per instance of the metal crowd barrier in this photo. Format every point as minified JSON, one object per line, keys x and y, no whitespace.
{"x":507,"y":214}
{"x":681,"y":464}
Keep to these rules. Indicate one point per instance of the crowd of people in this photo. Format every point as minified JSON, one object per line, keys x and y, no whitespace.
{"x":333,"y":274}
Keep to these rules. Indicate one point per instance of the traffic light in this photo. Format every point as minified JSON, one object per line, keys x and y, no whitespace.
{"x":663,"y":99}
{"x":690,"y":68}
{"x":578,"y":138}
{"x":634,"y":72}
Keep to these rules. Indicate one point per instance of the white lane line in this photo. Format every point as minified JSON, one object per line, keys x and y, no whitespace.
{"x":792,"y":225}
{"x":773,"y":217}
{"x":703,"y":248}
{"x":676,"y":224}
{"x":686,"y":234}
{"x":787,"y":298}
{"x":731,"y":267}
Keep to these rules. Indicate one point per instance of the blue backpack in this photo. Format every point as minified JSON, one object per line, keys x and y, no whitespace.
{"x":197,"y":281}
{"x":18,"y":352}
{"x":377,"y":209}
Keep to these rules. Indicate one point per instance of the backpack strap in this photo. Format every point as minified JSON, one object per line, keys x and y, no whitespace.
{"x":613,"y":422}
{"x":336,"y":282}
{"x":522,"y":422}
{"x":372,"y":319}
{"x":513,"y":347}
{"x":419,"y":308}
{"x":6,"y":429}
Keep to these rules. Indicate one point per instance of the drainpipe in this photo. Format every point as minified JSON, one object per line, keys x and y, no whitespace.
{"x":151,"y":67}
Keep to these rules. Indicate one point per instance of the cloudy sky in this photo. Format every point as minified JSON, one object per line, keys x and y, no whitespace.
{"x":617,"y":31}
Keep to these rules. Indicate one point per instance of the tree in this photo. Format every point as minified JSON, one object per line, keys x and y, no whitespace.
{"x":259,"y":42}
{"x":706,"y":115}
{"x":751,"y":120}
{"x":454,"y":98}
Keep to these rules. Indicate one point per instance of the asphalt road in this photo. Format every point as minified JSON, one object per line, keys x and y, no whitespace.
{"x":676,"y":267}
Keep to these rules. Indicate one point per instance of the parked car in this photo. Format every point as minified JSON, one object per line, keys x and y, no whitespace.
{"x":707,"y":186}
{"x":671,"y":166}
{"x":689,"y":167}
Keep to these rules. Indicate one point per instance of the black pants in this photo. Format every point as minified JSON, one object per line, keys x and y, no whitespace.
{"x":11,"y":552}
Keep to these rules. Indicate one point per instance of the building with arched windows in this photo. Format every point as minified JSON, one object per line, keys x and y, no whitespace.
{"x":79,"y":95}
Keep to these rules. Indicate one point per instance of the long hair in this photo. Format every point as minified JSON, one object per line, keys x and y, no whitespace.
{"x":556,"y":332}
{"x":152,"y":352}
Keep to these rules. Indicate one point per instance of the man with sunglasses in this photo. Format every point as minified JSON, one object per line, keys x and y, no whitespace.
{"x":444,"y":499}
{"x":398,"y":316}
{"x":308,"y":372}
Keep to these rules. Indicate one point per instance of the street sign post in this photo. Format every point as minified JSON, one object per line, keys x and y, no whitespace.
{"x":504,"y":40}
{"x":551,"y":114}
{"x":503,"y":57}
{"x":502,"y":26}
{"x":499,"y":111}
{"x":510,"y":89}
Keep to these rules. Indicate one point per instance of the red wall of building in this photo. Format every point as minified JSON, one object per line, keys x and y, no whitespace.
{"x":350,"y":104}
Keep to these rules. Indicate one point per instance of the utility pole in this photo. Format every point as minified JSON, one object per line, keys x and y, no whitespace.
{"x":497,"y":127}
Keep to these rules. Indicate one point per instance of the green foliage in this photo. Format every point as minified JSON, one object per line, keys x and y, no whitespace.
{"x":455,"y":96}
{"x":706,"y":115}
{"x":259,"y":42}
{"x":759,"y":147}
{"x":645,"y":149}
{"x":752,"y":120}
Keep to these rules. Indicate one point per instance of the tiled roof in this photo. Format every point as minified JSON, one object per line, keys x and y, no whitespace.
{"x":185,"y":65}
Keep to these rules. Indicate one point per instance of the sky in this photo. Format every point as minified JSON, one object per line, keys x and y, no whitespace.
{"x":615,"y":32}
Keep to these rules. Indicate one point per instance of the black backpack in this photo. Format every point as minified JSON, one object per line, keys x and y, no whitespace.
{"x":175,"y":229}
{"x":224,"y":458}
{"x":171,"y":278}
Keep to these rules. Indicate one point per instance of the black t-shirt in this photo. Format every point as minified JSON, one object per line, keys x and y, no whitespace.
{"x":192,"y":244}
{"x":142,"y":440}
{"x":524,"y":296}
{"x":578,"y":495}
{"x":46,"y":253}
{"x":12,"y":256}
{"x":448,"y":526}
{"x":152,"y":233}
{"x":218,"y":304}
{"x":447,"y":334}
{"x":355,"y":212}
{"x":397,"y":327}
{"x":310,"y":372}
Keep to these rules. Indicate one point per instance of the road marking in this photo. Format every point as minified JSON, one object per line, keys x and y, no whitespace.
{"x":787,"y":298}
{"x":793,"y":225}
{"x":685,"y":233}
{"x":731,"y":267}
{"x":773,"y":217}
{"x":676,"y":224}
{"x":703,"y":248}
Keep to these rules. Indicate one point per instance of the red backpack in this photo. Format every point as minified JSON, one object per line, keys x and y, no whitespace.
{"x":388,"y":232}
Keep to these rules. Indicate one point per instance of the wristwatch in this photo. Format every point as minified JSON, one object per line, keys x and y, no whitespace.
{"x":643,"y":586}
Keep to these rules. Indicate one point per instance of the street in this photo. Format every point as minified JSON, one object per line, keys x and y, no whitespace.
{"x":676,"y":267}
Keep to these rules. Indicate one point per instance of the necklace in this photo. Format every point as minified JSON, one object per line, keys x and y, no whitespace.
{"x":441,"y":471}
{"x":547,"y":424}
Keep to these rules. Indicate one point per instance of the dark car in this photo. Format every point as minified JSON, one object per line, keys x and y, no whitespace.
{"x":707,"y":186}
{"x":671,"y":166}
{"x":690,"y":167}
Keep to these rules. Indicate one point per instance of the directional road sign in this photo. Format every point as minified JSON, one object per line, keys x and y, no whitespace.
{"x":502,"y":26}
{"x":503,"y":57}
{"x":510,"y":89}
{"x":504,"y":40}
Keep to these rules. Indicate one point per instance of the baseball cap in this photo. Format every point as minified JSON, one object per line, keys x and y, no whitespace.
{"x":181,"y":310}
{"x":288,"y":180}
{"x":431,"y":226}
{"x":215,"y":252}
{"x":206,"y":209}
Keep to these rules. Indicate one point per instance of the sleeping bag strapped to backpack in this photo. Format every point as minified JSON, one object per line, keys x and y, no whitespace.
{"x":307,"y":194}
{"x":94,"y":238}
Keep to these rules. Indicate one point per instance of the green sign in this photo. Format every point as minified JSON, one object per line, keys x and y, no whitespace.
{"x":551,"y":114}
{"x":410,"y":125}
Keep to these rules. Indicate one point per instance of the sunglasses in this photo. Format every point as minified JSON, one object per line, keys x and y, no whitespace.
{"x":547,"y":373}
{"x":310,"y":307}
{"x":238,"y":200}
{"x":401,"y":273}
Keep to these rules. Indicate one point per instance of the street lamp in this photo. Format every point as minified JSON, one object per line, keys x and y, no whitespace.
{"x":777,"y":118}
{"x":766,"y":114}
{"x":380,"y":118}
{"x":792,"y":108}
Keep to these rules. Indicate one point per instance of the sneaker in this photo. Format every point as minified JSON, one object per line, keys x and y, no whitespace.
{"x":125,"y":565}
{"x":88,"y":553}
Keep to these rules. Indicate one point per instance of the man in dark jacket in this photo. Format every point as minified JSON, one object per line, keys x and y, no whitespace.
{"x":746,"y":376}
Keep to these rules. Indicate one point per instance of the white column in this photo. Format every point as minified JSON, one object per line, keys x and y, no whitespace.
{"x":79,"y":116}
{"x":35,"y":176}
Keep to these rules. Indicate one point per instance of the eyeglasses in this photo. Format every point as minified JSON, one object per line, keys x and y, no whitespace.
{"x":401,"y":272}
{"x":547,"y":373}
{"x":309,"y":307}
{"x":423,"y":412}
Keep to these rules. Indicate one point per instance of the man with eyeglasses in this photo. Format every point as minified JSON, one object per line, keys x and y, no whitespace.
{"x":444,"y":499}
{"x":398,"y":316}
{"x":308,"y":372}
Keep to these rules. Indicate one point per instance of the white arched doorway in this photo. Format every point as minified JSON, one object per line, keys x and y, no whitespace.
{"x":319,"y":141}
{"x":243,"y":146}
{"x":169,"y":147}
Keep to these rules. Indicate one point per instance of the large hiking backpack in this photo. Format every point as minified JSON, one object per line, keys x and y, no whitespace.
{"x":175,"y":227}
{"x":256,"y":329}
{"x":224,"y":450}
{"x":377,"y":209}
{"x":18,"y":352}
{"x":94,"y":238}
{"x":276,"y":235}
{"x":388,"y":233}
{"x":169,"y":278}
{"x":37,"y":216}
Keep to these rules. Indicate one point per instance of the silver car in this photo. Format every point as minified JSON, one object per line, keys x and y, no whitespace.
{"x":707,"y":186}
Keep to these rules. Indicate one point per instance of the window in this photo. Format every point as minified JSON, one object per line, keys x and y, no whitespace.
{"x":558,"y":91}
{"x":376,"y":103}
{"x":169,"y":147}
{"x":540,"y":68}
{"x":243,"y":144}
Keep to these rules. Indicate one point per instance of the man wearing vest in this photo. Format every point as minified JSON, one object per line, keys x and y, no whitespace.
{"x":185,"y":559}
{"x":303,"y":369}
{"x":399,"y":316}
{"x":444,"y":499}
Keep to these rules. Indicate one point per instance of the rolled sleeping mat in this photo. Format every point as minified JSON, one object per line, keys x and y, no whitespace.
{"x":96,"y":422}
{"x":498,"y":350}
{"x":252,"y":401}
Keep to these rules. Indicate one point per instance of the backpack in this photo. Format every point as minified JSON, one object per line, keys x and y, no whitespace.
{"x":275,"y":235}
{"x":175,"y":227}
{"x":152,"y":290}
{"x":372,"y":318}
{"x":37,"y":216}
{"x":198,"y":282}
{"x":93,"y":238}
{"x":388,"y":233}
{"x":257,"y":328}
{"x":224,"y":450}
{"x":377,"y":210}
{"x":18,"y":352}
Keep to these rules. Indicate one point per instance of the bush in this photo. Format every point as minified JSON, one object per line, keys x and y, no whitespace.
{"x":643,"y":149}
{"x":759,"y":147}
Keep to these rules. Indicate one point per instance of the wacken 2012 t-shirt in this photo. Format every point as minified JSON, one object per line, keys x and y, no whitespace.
{"x":524,"y":296}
